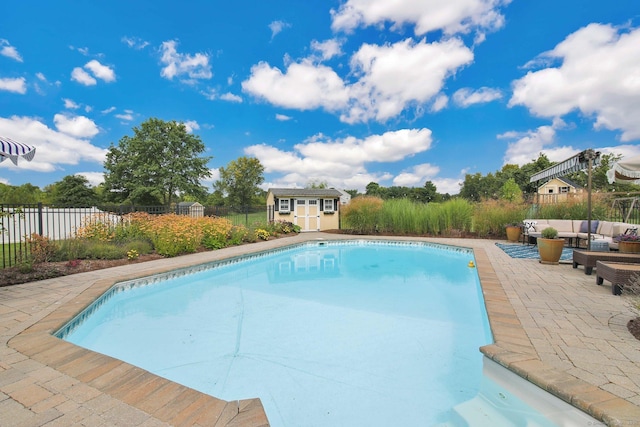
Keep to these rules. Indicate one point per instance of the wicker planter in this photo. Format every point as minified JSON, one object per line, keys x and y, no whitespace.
{"x":629,"y":247}
{"x":513,"y":233}
{"x":550,"y":250}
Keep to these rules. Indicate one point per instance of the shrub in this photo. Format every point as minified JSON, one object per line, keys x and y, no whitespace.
{"x":215,"y":232}
{"x":96,"y":228}
{"x":549,"y":233}
{"x":237,"y":235}
{"x":104,"y":250}
{"x":490,"y":216}
{"x":362,"y":214}
{"x":41,"y":249}
{"x":262,"y":234}
{"x":175,"y":234}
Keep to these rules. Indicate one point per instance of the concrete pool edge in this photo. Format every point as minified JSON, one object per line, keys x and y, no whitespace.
{"x":180,"y":405}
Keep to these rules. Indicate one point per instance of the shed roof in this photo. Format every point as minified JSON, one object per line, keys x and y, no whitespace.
{"x":564,"y":180}
{"x":305,"y":192}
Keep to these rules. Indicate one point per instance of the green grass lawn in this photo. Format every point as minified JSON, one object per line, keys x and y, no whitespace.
{"x":11,"y":252}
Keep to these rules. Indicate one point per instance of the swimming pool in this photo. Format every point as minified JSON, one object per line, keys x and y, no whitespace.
{"x":347,"y":333}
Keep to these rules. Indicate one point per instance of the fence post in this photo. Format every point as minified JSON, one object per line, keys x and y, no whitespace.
{"x":40,"y":219}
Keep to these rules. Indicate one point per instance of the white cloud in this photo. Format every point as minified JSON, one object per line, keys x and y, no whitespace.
{"x":276,"y":27}
{"x":81,"y":76}
{"x":17,"y":85}
{"x":135,"y":42}
{"x":76,"y":126}
{"x":9,"y":51}
{"x":94,"y":178}
{"x":439,"y":103}
{"x":4,"y":181}
{"x":328,"y":48}
{"x":127,"y":117}
{"x":108,"y":110}
{"x":41,"y":77}
{"x":389,"y":79}
{"x":598,"y":75}
{"x":191,"y":125}
{"x":465,"y":97}
{"x":181,"y":64}
{"x":448,"y":185}
{"x":340,"y":162}
{"x":453,"y":16}
{"x":70,"y":104}
{"x":303,"y":86}
{"x":416,"y":176}
{"x":528,"y":145}
{"x":100,"y":71}
{"x":53,"y":148}
{"x":230,"y":97}
{"x":283,"y":118}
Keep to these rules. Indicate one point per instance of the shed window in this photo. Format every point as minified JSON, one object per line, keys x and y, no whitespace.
{"x":328,"y":205}
{"x":564,"y":189}
{"x":284,"y":205}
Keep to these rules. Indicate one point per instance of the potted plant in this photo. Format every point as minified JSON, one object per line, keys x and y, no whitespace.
{"x":513,"y":231}
{"x":550,"y":246}
{"x":628,"y":243}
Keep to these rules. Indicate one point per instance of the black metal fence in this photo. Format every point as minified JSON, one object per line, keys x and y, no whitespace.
{"x":18,"y":222}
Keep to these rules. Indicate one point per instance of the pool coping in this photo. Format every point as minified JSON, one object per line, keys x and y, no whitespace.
{"x":179,"y":405}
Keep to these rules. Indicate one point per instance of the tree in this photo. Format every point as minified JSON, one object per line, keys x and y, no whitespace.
{"x":239,"y":181}
{"x":511,"y":191}
{"x":23,"y":194}
{"x":74,"y":190}
{"x":431,"y":192}
{"x":160,"y":160}
{"x":318,"y":185}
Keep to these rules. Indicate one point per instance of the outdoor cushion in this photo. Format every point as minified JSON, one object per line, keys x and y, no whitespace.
{"x":562,"y":225}
{"x":584,"y":227}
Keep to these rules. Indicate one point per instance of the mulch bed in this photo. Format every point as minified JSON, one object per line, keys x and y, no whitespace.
{"x":49,"y":270}
{"x":633,"y":326}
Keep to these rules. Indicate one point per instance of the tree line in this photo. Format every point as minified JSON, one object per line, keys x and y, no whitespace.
{"x":162,"y":163}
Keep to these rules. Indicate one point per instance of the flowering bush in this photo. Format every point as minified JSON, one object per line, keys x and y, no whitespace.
{"x":215,"y":232}
{"x":175,"y":234}
{"x":132,"y":254}
{"x":627,"y":238}
{"x":41,"y":248}
{"x":73,"y":263}
{"x":262,"y":234}
{"x":96,"y":228}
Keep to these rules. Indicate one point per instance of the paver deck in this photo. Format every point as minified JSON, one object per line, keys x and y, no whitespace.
{"x":551,"y":323}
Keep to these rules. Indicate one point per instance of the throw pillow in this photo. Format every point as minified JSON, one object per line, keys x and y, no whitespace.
{"x":584,"y":226}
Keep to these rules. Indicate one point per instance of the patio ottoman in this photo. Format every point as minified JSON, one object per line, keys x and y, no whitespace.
{"x":618,"y":273}
{"x":600,"y":245}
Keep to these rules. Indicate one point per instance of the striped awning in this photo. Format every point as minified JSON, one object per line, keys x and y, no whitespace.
{"x":10,"y":149}
{"x":576,"y":163}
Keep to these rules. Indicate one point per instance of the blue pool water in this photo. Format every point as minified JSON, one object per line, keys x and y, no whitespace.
{"x":348,"y":333}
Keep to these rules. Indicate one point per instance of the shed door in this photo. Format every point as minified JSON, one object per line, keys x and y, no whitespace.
{"x":307,"y":214}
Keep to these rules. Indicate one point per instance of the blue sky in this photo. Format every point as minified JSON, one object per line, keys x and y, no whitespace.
{"x":343,"y":92}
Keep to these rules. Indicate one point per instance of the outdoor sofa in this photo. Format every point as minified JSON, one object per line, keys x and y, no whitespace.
{"x":577,"y":230}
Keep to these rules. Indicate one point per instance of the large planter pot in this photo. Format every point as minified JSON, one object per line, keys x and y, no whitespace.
{"x":513,"y":233}
{"x":629,"y":247}
{"x":550,"y":250}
